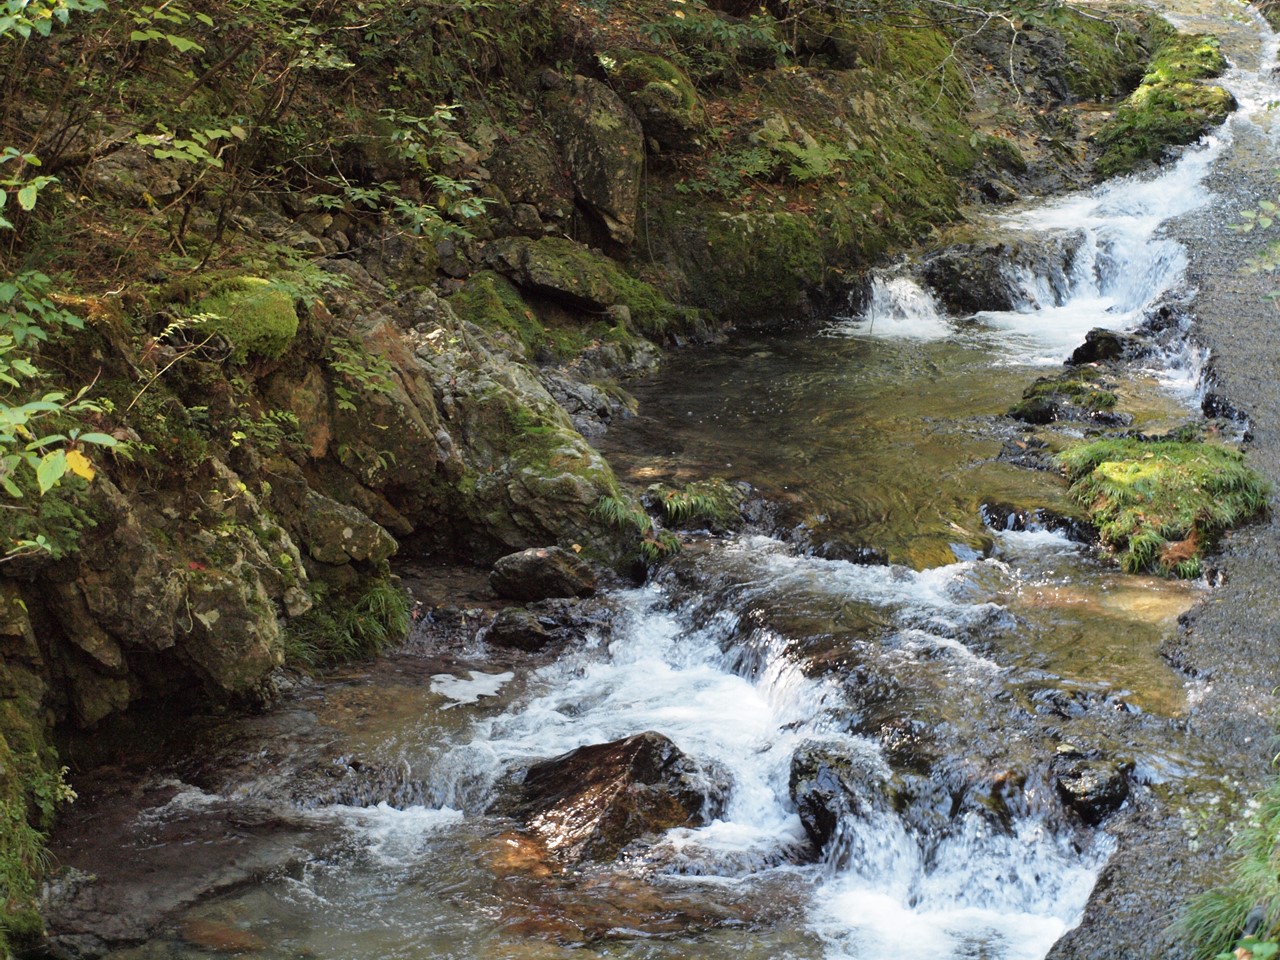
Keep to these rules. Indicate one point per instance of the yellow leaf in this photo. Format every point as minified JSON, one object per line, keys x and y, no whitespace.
{"x":79,"y":464}
{"x":577,"y":548}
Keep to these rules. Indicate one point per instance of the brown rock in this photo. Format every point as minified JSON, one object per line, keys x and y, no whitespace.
{"x":542,"y":572}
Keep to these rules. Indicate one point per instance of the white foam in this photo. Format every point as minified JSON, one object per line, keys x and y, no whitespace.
{"x":471,"y":688}
{"x":897,"y":308}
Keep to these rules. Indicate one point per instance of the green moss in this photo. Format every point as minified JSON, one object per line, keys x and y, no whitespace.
{"x":1169,"y":108}
{"x":646,"y":73}
{"x":491,"y":301}
{"x":1104,"y":58}
{"x":252,"y":314}
{"x":761,"y":262}
{"x":1160,"y":504}
{"x":1075,"y":393}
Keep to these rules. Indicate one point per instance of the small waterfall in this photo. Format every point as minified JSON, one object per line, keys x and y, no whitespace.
{"x":897,"y":307}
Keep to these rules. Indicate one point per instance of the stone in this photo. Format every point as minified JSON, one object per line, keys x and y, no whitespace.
{"x":529,"y":172}
{"x":968,"y":278}
{"x":603,"y":144}
{"x":1101,"y":345}
{"x":131,"y":174}
{"x":1093,"y":788}
{"x":561,"y":269}
{"x":663,"y":98}
{"x":542,"y":572}
{"x":593,"y":801}
{"x":829,"y":788}
{"x":518,"y":629}
{"x":335,"y":533}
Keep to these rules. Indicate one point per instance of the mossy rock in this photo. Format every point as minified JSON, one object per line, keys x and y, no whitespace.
{"x":715,"y":503}
{"x":1170,"y":107}
{"x":1162,"y":503}
{"x":1075,"y":395}
{"x":252,"y":314}
{"x":581,"y":279}
{"x":491,"y":301}
{"x":662,"y":96}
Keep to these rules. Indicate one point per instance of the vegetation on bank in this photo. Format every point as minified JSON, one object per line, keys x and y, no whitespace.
{"x":1249,"y":900}
{"x":1160,"y":504}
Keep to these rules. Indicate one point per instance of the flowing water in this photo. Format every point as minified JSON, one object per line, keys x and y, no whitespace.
{"x":950,"y":661}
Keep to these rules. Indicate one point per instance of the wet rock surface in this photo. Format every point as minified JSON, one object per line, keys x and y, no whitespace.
{"x":1230,"y":643}
{"x":592,"y":802}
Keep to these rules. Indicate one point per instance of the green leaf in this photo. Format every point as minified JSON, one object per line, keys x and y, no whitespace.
{"x":1265,"y":222}
{"x":101,"y":439}
{"x":27,"y":196}
{"x":182,"y":44}
{"x":52,"y":468}
{"x":1268,"y":206}
{"x":10,"y":487}
{"x":205,"y":19}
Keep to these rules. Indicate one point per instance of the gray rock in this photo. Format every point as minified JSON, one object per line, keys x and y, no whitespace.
{"x":336,"y":533}
{"x":542,"y":572}
{"x":603,"y":143}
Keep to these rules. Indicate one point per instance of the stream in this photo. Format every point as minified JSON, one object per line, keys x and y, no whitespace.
{"x":888,"y":619}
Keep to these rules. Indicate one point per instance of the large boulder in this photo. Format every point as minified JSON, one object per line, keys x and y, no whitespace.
{"x":593,"y":801}
{"x":603,"y":143}
{"x":542,"y":572}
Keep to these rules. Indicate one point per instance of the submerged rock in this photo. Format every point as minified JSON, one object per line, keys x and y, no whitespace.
{"x":593,"y":801}
{"x":518,"y":629}
{"x":540,"y":573}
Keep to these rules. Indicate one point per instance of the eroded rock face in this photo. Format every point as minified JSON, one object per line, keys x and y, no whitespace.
{"x":1010,"y":274}
{"x":603,"y":143}
{"x":540,"y":573}
{"x":593,"y":801}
